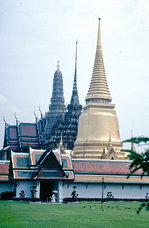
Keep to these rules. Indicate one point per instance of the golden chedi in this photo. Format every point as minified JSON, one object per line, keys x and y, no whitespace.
{"x":98,"y":130}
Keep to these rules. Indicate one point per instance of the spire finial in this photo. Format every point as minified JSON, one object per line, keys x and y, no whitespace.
{"x":58,"y":65}
{"x":75,"y":74}
{"x":99,"y":35}
{"x":76,"y":54}
{"x":74,"y":97}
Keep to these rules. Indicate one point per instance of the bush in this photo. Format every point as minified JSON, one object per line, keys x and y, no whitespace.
{"x":7,"y":195}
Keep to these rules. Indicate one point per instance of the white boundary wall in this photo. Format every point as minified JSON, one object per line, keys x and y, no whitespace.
{"x":26,"y":185}
{"x":94,"y":190}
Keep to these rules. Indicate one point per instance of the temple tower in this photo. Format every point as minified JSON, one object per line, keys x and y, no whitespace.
{"x":71,"y":118}
{"x":57,"y":106}
{"x":98,"y":119}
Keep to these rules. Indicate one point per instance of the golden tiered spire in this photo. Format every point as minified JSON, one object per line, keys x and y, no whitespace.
{"x":98,"y":118}
{"x":98,"y":90}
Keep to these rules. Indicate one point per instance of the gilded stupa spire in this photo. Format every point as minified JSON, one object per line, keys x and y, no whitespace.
{"x":98,"y":90}
{"x":98,"y":128}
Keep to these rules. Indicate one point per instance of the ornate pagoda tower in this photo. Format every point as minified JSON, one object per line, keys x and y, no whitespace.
{"x":98,"y":130}
{"x":71,"y":118}
{"x":57,"y":106}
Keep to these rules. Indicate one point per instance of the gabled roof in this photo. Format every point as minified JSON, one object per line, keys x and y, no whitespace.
{"x":48,"y":162}
{"x":40,"y":164}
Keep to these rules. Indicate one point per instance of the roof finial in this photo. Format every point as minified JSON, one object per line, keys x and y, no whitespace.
{"x":35,"y":115}
{"x":132,"y":144}
{"x":40,"y":113}
{"x":131,"y":133}
{"x":4,"y":119}
{"x":58,"y":65}
{"x":16,"y":118}
{"x":110,"y":136}
{"x":61,"y":141}
{"x":109,"y":142}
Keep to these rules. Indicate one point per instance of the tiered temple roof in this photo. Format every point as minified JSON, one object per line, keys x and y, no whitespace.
{"x":21,"y":136}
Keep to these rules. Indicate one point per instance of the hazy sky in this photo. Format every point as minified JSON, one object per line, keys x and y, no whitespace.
{"x":34,"y":34}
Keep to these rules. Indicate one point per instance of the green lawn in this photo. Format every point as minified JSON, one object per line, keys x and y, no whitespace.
{"x":111,"y":214}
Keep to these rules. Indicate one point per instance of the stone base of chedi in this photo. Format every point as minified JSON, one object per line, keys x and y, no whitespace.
{"x":98,"y":130}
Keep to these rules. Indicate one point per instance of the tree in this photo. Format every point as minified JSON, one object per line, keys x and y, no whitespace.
{"x":74,"y":193}
{"x":33,"y":192}
{"x":139,"y":162}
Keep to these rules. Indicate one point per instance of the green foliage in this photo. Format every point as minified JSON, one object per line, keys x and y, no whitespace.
{"x":74,"y":193}
{"x":143,"y":205}
{"x":22,"y":194}
{"x":137,"y":140}
{"x":7,"y":195}
{"x":139,"y":162}
{"x":33,"y":192}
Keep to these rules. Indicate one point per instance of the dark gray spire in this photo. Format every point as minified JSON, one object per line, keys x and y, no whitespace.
{"x":75,"y":97}
{"x":57,"y":106}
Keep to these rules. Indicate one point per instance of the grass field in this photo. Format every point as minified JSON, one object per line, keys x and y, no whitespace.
{"x":93,"y":214}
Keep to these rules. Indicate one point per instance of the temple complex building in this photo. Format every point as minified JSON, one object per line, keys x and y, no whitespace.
{"x":44,"y":158}
{"x":98,"y":130}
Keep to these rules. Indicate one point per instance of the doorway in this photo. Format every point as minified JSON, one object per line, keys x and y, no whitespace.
{"x":46,"y":188}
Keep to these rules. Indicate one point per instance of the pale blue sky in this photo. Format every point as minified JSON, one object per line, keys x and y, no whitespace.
{"x":34,"y":34}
